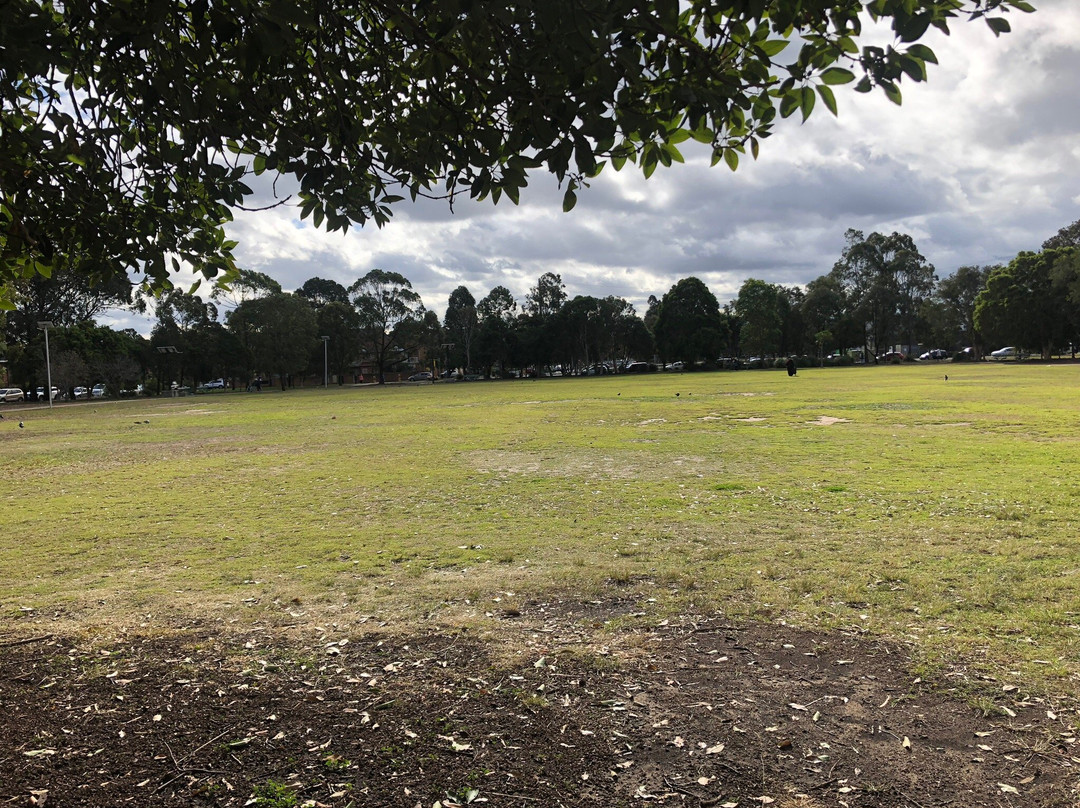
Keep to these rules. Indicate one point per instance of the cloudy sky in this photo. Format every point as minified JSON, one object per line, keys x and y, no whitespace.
{"x":981,"y":162}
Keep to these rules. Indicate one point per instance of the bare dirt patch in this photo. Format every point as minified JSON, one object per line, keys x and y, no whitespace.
{"x":546,"y":712}
{"x":829,"y":420}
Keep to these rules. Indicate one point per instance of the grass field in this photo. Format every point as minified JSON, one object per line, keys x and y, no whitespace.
{"x":888,"y":500}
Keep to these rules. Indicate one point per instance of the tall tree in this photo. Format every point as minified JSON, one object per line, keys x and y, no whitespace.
{"x":321,"y":292}
{"x":497,"y":337}
{"x":1068,"y":236}
{"x":688,"y":325}
{"x":461,"y":323}
{"x":959,"y":292}
{"x":547,"y":297}
{"x":150,"y":131}
{"x":66,"y":298}
{"x":245,"y":285}
{"x":341,"y":323}
{"x":1025,"y":304}
{"x":389,"y":311}
{"x":758,"y":307}
{"x":179,"y":337}
{"x":886,"y":280}
{"x":279,"y":330}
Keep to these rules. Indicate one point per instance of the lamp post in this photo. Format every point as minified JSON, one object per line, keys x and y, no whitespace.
{"x":325,"y":366}
{"x":447,"y":346}
{"x":45,"y":325}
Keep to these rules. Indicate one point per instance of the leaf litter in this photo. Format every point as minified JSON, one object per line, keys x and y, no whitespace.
{"x":442,"y":717}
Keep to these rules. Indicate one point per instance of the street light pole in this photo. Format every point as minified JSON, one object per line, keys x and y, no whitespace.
{"x":45,"y":325}
{"x":325,"y":366}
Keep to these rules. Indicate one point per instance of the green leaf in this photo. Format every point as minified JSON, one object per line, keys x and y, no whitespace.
{"x":731,"y":157}
{"x":920,"y":51}
{"x":999,"y":25}
{"x":788,"y":104}
{"x":892,"y":92}
{"x":806,"y":103}
{"x":773,"y":46}
{"x":258,"y":165}
{"x":568,"y":201}
{"x":827,"y":98}
{"x":837,"y":75}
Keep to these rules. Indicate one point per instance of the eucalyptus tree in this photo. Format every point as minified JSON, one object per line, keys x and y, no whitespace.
{"x":688,"y":324}
{"x":390,"y":311}
{"x":279,"y":330}
{"x":1027,"y":303}
{"x":886,"y":280}
{"x":958,"y":293}
{"x":149,"y":117}
{"x":761,"y":319}
{"x":341,"y":323}
{"x":321,"y":292}
{"x":461,"y":324}
{"x":497,"y":339}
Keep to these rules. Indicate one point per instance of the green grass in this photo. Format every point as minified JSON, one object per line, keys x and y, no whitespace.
{"x":940,"y":513}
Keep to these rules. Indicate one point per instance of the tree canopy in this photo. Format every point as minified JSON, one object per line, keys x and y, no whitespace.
{"x":131,"y":131}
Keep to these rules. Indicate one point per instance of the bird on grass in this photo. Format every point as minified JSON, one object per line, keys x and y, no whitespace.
{"x":21,"y":425}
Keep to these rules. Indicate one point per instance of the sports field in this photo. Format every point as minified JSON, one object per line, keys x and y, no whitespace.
{"x":938,"y":513}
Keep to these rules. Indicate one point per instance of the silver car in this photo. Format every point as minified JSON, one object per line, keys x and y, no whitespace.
{"x":11,"y":394}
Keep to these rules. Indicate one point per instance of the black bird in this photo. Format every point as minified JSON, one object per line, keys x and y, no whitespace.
{"x":20,"y":425}
{"x":946,"y":377}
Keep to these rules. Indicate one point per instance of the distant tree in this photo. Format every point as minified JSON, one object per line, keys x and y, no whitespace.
{"x":688,"y":324}
{"x":321,"y":292}
{"x":758,"y":307}
{"x":66,"y":298}
{"x":178,"y":337}
{"x":117,"y":359}
{"x":341,"y":322}
{"x":1025,"y":303}
{"x":652,"y":312}
{"x":462,"y":324}
{"x":886,"y":281}
{"x":547,"y":297}
{"x":246,"y":285}
{"x":1068,"y":236}
{"x":826,"y":309}
{"x":958,"y":293}
{"x":279,"y":330}
{"x":497,"y":338}
{"x":389,"y":312}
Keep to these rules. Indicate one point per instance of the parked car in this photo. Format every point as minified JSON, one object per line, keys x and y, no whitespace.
{"x":892,"y":356}
{"x":675,"y":366}
{"x":214,"y":384}
{"x":41,"y":394}
{"x":422,"y":376}
{"x":81,"y":392}
{"x":11,"y":394}
{"x":1005,"y":353}
{"x":934,"y":353}
{"x":98,"y":391}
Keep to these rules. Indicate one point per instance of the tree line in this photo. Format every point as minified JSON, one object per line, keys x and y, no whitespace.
{"x":880,"y":296}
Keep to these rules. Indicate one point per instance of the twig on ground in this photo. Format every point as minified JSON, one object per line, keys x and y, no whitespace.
{"x":27,"y":641}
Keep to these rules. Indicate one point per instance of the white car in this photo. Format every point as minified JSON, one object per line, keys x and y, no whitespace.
{"x":41,"y":394}
{"x":1005,"y":353}
{"x":98,"y":391}
{"x":81,"y":392}
{"x":11,"y":394}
